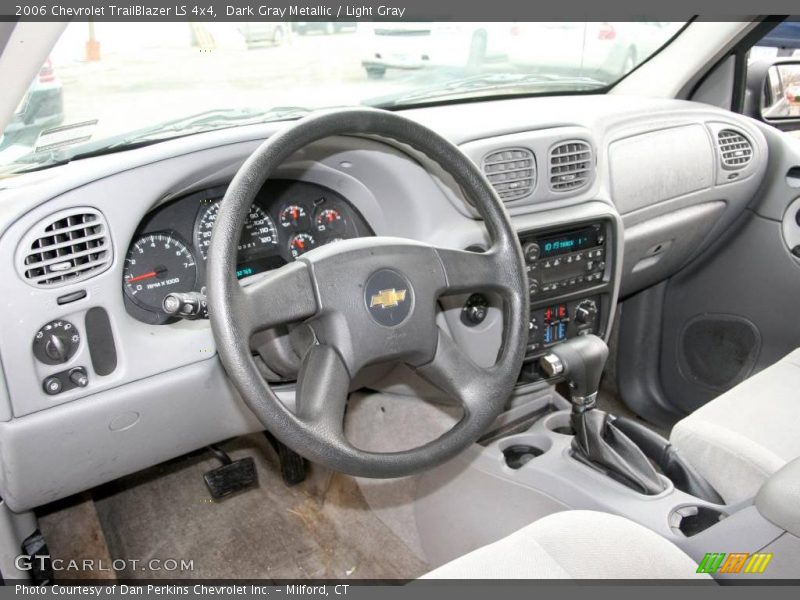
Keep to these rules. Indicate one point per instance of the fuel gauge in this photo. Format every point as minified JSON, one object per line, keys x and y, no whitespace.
{"x":300,"y":243}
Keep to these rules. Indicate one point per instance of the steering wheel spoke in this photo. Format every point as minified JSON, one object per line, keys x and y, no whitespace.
{"x":322,"y":387}
{"x":467,"y":271}
{"x":286,"y":295}
{"x":455,"y":374}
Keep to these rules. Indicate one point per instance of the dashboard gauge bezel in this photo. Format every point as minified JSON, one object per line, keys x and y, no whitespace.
{"x":148,"y":307}
{"x":182,"y":215}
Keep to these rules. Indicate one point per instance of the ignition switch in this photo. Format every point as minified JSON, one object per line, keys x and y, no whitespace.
{"x":475,"y":310}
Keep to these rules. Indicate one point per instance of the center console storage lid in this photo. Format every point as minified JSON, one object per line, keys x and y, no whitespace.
{"x":778,"y":500}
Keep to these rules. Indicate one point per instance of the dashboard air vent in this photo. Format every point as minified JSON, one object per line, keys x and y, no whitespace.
{"x":570,"y":165}
{"x":512,"y":172}
{"x":67,"y":247}
{"x":735,"y":150}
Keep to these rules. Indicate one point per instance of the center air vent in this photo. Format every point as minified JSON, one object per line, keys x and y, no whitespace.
{"x":735,"y":150}
{"x":570,"y":166}
{"x":512,"y":172}
{"x":67,"y":247}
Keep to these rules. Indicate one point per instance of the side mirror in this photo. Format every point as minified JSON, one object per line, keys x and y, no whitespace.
{"x":773,"y":92}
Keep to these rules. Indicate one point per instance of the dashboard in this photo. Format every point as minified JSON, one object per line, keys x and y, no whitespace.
{"x":169,"y":252}
{"x":140,"y":387}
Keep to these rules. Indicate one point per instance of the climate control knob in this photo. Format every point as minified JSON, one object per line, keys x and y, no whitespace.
{"x":56,"y":342}
{"x":586,"y":312}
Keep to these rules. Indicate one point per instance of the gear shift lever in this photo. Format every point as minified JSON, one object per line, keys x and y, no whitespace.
{"x":582,"y":360}
{"x":597,"y":441}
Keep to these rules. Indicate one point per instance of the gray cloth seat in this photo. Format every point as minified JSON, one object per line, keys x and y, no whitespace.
{"x":738,"y":440}
{"x":575,"y":544}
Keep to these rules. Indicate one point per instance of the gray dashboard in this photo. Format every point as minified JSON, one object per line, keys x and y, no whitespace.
{"x":655,"y":175}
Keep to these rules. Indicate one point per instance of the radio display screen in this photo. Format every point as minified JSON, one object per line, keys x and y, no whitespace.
{"x":568,"y":242}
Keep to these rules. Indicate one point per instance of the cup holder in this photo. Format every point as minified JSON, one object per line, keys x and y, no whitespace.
{"x":560,"y":423}
{"x":518,"y":455}
{"x":519,"y":452}
{"x":691,"y":520}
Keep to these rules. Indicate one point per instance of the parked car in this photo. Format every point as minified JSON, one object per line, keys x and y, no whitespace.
{"x":328,"y":27}
{"x":420,"y":45}
{"x":257,"y":33}
{"x":603,"y":50}
{"x":41,"y":108}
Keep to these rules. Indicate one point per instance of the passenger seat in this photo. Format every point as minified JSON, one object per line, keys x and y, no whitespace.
{"x":739,"y":439}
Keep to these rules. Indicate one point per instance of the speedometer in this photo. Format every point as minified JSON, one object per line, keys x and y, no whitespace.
{"x":258,"y":233}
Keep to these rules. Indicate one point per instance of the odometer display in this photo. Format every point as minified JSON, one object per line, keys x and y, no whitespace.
{"x":259,"y":232}
{"x":156,"y":265}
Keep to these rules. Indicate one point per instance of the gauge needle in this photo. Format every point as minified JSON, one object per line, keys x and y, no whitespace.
{"x":149,"y":275}
{"x":299,"y":244}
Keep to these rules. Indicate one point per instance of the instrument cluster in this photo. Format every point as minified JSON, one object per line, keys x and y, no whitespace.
{"x":288,"y":218}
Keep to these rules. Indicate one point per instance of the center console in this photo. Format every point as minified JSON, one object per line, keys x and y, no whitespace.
{"x":570,"y":281}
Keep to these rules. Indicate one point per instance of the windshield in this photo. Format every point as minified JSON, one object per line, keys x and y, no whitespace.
{"x":109,"y":86}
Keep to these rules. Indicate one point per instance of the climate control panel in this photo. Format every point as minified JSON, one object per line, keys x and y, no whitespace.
{"x":556,"y":322}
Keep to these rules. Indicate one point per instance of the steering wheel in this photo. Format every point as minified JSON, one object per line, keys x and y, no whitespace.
{"x":365,"y":301}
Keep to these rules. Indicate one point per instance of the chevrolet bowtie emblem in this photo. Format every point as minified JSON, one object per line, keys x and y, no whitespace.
{"x":388,"y":298}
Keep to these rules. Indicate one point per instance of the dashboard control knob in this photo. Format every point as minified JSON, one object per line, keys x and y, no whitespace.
{"x":533,"y":287}
{"x":531,"y":251}
{"x":52,"y":386}
{"x":79,"y":377}
{"x":56,"y":342}
{"x":55,"y":348}
{"x":586,"y":312}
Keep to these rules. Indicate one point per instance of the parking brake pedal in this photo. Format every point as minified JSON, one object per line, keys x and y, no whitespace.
{"x":233,"y":476}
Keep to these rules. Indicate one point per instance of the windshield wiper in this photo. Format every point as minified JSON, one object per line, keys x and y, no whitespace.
{"x":493,"y":84}
{"x":174,"y":128}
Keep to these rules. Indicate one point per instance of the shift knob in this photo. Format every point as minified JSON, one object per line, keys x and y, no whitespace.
{"x":581,"y":361}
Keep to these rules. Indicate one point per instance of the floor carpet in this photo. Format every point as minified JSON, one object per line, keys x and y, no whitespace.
{"x":319,"y":529}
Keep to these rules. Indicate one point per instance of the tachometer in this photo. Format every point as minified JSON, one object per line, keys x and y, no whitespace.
{"x":258,"y":233}
{"x":158,"y":264}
